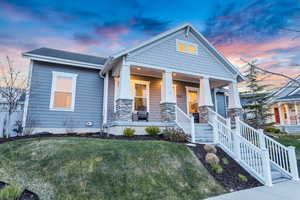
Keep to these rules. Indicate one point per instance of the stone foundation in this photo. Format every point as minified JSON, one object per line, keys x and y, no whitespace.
{"x":123,"y":110}
{"x":203,"y":114}
{"x":167,"y":111}
{"x":234,"y":112}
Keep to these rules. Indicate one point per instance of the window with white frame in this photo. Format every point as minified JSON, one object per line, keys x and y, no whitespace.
{"x":186,"y":47}
{"x":140,"y":93}
{"x":63,"y":91}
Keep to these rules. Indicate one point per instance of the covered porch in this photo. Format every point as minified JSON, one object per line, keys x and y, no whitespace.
{"x":151,"y":96}
{"x":286,"y":113}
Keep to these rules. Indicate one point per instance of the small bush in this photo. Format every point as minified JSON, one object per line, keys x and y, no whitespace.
{"x":272,"y":129}
{"x":174,"y":135}
{"x":212,"y":158}
{"x":10,"y":192}
{"x":129,"y":132}
{"x":152,"y":130}
{"x":243,"y":178}
{"x":217,"y":168}
{"x":210,"y":149}
{"x":225,"y":161}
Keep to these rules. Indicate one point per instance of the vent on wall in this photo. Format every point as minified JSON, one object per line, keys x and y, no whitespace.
{"x":89,"y":123}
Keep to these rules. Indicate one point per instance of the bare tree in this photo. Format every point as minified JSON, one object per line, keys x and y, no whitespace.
{"x":12,"y":88}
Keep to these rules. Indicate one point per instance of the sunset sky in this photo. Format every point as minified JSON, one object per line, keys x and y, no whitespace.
{"x":252,"y":29}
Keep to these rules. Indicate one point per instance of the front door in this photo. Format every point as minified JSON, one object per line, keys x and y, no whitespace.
{"x":192,"y":100}
{"x":276,"y":113}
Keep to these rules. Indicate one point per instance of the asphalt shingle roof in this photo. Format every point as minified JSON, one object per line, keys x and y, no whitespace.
{"x":68,"y":55}
{"x":294,"y":96}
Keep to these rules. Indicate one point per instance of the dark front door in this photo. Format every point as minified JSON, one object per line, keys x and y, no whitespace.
{"x":277,"y":118}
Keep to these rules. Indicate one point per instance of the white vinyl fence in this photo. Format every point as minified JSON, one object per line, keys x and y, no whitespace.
{"x":15,"y":116}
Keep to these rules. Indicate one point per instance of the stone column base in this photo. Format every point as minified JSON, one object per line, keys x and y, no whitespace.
{"x":123,"y":110}
{"x":234,"y":112}
{"x":167,"y":112}
{"x":203,"y":114}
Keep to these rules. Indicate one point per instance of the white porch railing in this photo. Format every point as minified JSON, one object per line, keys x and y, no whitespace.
{"x":185,"y":122}
{"x":281,"y":156}
{"x":252,"y":158}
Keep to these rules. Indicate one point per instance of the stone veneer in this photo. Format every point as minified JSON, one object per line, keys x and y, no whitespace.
{"x":167,"y":111}
{"x":123,"y":110}
{"x":234,"y":112}
{"x":203,"y":114}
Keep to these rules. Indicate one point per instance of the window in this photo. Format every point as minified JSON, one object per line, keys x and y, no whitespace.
{"x":116,"y":91}
{"x":63,"y":91}
{"x":192,"y":95}
{"x":186,"y":47}
{"x":140,"y":91}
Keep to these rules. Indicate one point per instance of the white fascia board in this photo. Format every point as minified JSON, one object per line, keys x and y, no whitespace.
{"x":62,"y":61}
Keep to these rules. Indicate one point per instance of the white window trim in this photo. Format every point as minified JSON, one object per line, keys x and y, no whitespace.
{"x":187,"y":43}
{"x":55,"y":74}
{"x":147,"y":83}
{"x":187,"y":88}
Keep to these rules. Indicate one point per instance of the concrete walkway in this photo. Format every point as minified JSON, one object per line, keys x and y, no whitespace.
{"x":289,"y":190}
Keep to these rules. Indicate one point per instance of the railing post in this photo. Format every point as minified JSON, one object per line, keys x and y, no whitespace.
{"x":261,"y":138}
{"x":293,"y":162}
{"x":215,"y":129}
{"x":228,"y":122}
{"x":237,"y":145}
{"x":266,"y":167}
{"x":192,"y":129}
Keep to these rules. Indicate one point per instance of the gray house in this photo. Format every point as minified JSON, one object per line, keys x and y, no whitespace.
{"x":169,"y":80}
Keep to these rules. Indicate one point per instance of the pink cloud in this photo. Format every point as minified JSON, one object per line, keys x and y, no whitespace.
{"x":112,"y":32}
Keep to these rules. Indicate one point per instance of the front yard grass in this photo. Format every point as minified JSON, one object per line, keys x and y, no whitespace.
{"x":88,"y":169}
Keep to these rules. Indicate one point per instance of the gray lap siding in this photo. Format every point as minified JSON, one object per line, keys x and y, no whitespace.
{"x":88,"y":99}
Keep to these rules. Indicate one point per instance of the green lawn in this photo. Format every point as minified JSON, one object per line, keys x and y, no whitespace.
{"x":82,"y":168}
{"x":290,"y":140}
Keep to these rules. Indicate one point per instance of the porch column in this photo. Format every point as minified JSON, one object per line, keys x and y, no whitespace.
{"x":296,"y":113}
{"x":234,"y":103}
{"x":204,"y":99}
{"x":167,"y":105}
{"x":288,"y":115}
{"x":124,"y":101}
{"x":281,"y":118}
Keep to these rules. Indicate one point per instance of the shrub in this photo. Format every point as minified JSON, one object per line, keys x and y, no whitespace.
{"x":152,"y":130}
{"x":174,"y":135}
{"x":216,"y":168}
{"x":129,"y":132}
{"x":212,"y":158}
{"x":243,"y":178}
{"x":10,"y":192}
{"x":272,"y":129}
{"x":225,"y":161}
{"x":210,"y":149}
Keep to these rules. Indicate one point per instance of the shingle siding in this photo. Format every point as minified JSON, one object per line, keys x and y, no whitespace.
{"x":88,"y":100}
{"x":163,"y":54}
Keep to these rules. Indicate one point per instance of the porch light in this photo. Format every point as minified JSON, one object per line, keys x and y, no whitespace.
{"x":174,"y":74}
{"x":138,"y":68}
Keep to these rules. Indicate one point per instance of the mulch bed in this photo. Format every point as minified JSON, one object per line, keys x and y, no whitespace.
{"x":229,"y":178}
{"x":86,"y":135}
{"x":25,"y":195}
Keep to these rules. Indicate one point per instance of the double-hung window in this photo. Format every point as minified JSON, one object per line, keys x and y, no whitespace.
{"x":140,"y":93}
{"x":63,"y":91}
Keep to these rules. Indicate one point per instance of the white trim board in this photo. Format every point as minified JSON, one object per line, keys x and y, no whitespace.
{"x":62,"y":61}
{"x":26,"y":103}
{"x":55,"y":74}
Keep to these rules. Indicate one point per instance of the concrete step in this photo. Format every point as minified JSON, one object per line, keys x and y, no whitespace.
{"x":276,"y":175}
{"x":280,"y":180}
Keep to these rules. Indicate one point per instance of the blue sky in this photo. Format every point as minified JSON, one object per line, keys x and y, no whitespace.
{"x":253,"y":29}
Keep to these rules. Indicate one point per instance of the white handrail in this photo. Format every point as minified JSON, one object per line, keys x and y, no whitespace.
{"x":281,"y":156}
{"x":186,"y":123}
{"x":212,"y":113}
{"x":248,"y":155}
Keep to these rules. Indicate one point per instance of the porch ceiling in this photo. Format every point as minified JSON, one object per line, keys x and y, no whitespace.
{"x":142,"y":71}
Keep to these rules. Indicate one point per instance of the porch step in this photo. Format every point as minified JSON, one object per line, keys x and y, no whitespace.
{"x":277,"y":176}
{"x":292,"y":129}
{"x":203,"y":133}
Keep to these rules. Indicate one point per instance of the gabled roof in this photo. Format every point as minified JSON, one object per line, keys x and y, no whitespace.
{"x":285,"y":87}
{"x":66,"y":57}
{"x":187,"y":26}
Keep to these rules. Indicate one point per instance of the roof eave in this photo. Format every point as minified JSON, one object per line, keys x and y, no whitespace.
{"x":62,"y":61}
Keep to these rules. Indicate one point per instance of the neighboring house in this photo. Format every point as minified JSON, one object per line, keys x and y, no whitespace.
{"x":174,"y":79}
{"x":177,"y":71}
{"x":285,"y":106}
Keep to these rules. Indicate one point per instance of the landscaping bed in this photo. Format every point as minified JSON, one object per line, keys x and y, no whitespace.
{"x":11,"y":195}
{"x":229,"y":178}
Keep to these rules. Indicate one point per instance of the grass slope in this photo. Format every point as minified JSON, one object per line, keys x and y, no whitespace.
{"x":291,"y":140}
{"x":82,"y":168}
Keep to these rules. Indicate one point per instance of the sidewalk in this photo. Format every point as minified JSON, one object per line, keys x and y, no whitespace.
{"x":289,"y":190}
